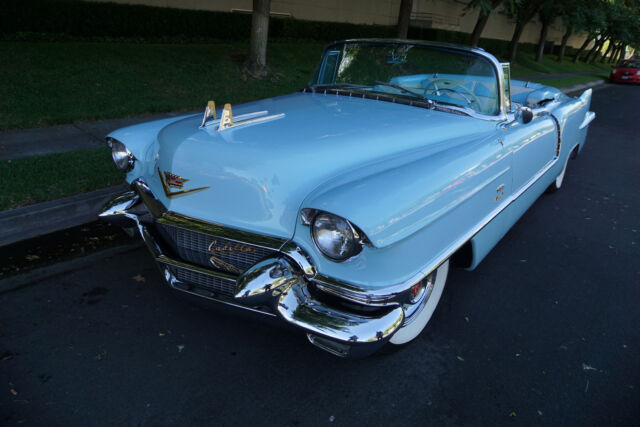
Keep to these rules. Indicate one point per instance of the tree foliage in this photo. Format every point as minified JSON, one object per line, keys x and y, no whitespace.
{"x":614,"y":21}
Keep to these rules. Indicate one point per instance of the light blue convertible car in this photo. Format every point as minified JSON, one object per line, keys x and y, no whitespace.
{"x":339,"y":209}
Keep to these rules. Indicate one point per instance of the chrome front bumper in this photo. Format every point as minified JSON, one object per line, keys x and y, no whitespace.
{"x":276,"y":286}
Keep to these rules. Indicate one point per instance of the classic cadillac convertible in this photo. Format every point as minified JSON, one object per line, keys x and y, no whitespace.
{"x":340,"y":208}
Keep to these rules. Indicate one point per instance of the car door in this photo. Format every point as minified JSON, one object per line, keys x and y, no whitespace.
{"x":534,"y":147}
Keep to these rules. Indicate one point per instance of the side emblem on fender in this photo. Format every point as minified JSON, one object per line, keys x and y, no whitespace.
{"x":170,"y":180}
{"x":500,"y":193}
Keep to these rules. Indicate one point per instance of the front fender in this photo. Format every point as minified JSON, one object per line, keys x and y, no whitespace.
{"x":142,"y":141}
{"x":393,"y":200}
{"x":416,"y":210}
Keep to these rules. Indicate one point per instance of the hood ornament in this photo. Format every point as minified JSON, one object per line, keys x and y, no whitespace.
{"x":171,"y":180}
{"x":226,"y":120}
{"x":209,"y":111}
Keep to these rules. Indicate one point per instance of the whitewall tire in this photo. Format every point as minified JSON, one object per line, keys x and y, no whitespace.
{"x":410,"y":331}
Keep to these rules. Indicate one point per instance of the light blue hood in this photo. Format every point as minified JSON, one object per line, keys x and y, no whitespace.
{"x":260,"y":175}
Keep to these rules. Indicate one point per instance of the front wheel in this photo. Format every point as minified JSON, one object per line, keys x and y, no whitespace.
{"x":419,"y":319}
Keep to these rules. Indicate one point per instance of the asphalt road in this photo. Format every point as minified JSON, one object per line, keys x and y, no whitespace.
{"x":545,"y":332}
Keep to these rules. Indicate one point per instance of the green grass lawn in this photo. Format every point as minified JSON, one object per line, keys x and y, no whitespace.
{"x":526,"y":65}
{"x":51,"y":83}
{"x":36,"y":179}
{"x":573,"y":80}
{"x":44,"y":84}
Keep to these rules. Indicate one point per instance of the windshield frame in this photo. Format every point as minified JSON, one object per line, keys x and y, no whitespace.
{"x":502,"y":113}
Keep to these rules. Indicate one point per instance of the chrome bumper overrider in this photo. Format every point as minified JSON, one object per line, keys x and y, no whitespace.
{"x":277,"y":286}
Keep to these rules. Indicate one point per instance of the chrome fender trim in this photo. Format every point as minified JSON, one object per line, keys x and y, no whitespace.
{"x":116,"y":212}
{"x":588,"y":118}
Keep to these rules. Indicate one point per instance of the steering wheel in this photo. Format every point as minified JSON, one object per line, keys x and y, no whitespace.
{"x":452,"y":84}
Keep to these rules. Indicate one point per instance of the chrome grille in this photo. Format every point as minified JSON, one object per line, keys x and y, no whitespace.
{"x":194,"y":247}
{"x":214,"y":285}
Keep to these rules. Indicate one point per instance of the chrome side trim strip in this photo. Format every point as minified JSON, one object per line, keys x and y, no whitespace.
{"x":390,"y":295}
{"x":238,"y":123}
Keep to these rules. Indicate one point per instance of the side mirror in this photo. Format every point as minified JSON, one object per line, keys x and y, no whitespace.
{"x":526,"y":114}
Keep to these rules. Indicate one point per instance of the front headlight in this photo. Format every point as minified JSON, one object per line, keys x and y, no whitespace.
{"x":613,"y":71}
{"x":122,"y":157}
{"x":335,"y":237}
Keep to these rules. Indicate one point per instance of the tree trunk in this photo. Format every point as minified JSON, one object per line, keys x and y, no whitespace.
{"x":616,"y":49}
{"x":623,"y":52}
{"x":543,"y":38}
{"x":582,"y":48}
{"x":597,"y":52}
{"x":620,"y":54}
{"x":513,"y":46}
{"x":404,"y":15}
{"x":256,"y":64}
{"x":613,"y":53}
{"x":563,"y":43}
{"x":604,"y":57}
{"x":479,"y":28}
{"x":594,"y":49}
{"x":481,"y":23}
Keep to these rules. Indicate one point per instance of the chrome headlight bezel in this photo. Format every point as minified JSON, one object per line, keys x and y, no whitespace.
{"x":321,"y":222}
{"x":122,"y":157}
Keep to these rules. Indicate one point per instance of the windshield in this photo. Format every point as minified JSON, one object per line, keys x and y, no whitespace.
{"x":437,"y":74}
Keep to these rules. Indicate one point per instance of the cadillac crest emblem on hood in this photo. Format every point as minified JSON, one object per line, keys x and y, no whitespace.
{"x":171,"y":180}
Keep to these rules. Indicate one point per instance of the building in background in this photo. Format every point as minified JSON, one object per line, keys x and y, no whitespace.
{"x":437,"y":14}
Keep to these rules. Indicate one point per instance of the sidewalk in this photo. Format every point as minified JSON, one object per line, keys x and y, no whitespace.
{"x":15,"y":144}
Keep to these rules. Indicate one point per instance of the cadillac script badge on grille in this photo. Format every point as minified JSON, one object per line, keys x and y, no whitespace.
{"x":230,"y":247}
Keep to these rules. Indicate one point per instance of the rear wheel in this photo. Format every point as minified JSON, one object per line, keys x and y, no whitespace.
{"x":422,"y":315}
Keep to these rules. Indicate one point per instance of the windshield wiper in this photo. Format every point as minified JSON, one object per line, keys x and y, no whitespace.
{"x":341,"y":85}
{"x":446,"y":105}
{"x":405,"y":90}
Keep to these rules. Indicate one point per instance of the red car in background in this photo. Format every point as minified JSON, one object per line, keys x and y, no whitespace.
{"x":627,"y":71}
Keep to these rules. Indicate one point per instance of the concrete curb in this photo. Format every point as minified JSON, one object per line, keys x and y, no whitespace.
{"x":32,"y":277}
{"x":583,"y":86}
{"x":47,"y":217}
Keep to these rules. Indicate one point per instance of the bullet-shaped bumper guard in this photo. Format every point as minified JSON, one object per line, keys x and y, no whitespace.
{"x":276,"y":283}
